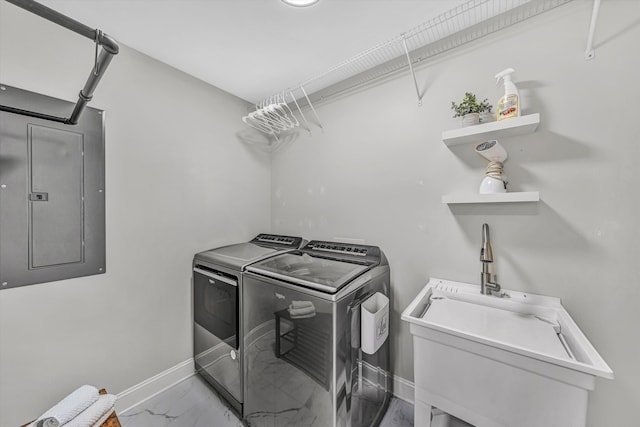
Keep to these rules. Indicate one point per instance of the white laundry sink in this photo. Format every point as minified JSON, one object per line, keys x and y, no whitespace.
{"x":514,"y":361}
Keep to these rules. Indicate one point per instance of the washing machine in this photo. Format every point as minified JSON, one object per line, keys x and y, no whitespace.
{"x":316,"y":346}
{"x":217,"y":310}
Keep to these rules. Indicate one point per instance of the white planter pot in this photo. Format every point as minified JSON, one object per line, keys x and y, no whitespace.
{"x":470,"y":119}
{"x":487,"y":117}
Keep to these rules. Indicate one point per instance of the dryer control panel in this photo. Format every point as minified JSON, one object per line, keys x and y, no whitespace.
{"x":274,"y":240}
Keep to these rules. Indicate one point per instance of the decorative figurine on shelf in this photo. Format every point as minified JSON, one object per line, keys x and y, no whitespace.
{"x":494,"y":181}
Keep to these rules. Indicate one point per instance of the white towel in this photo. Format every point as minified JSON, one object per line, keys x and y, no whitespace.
{"x":300,"y":304}
{"x":94,"y":413}
{"x":303,"y":316}
{"x":69,"y":407}
{"x":105,"y":417}
{"x":303,"y":312}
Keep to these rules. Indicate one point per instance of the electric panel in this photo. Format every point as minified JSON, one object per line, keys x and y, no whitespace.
{"x":52,"y":196}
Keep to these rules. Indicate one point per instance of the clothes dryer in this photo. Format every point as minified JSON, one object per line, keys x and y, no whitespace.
{"x":217,"y":309}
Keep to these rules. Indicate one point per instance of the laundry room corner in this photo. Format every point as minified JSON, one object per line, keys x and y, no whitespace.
{"x":378,"y":170}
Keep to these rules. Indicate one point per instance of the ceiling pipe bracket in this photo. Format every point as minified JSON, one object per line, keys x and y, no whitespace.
{"x":413,"y":73}
{"x":590,"y":53}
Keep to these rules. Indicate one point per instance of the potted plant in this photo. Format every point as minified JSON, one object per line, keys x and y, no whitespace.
{"x":486,"y":115}
{"x":469,"y":109}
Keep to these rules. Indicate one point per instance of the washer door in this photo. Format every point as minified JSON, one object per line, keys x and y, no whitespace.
{"x":314,"y":272}
{"x":289,"y":347}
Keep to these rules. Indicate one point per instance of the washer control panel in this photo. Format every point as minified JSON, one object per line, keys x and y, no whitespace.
{"x":344,"y":251}
{"x":342,"y":248}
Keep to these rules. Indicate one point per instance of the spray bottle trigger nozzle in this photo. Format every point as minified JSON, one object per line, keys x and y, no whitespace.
{"x":504,"y":73}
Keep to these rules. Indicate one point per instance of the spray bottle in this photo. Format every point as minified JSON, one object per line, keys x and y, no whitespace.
{"x":509,"y":103}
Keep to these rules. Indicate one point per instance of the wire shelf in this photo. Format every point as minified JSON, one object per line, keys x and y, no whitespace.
{"x":463,"y":24}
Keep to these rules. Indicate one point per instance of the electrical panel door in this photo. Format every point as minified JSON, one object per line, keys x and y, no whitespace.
{"x":55,"y":197}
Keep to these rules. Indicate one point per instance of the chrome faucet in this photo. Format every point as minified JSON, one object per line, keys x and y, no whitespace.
{"x":488,"y":283}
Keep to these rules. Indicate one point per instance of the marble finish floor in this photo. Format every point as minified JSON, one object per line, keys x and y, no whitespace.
{"x":192,"y":403}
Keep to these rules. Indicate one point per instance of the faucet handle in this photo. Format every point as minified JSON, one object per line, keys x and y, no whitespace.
{"x":488,"y":284}
{"x":493,"y":285}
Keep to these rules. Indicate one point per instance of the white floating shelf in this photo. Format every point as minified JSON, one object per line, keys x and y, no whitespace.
{"x":495,"y":130}
{"x":523,"y":196}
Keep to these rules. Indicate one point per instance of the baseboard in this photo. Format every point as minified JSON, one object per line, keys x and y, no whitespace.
{"x":150,"y":387}
{"x":133,"y":396}
{"x":403,"y":389}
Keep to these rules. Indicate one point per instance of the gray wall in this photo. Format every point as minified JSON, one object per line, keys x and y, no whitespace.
{"x":177,"y":181}
{"x":379,"y":169}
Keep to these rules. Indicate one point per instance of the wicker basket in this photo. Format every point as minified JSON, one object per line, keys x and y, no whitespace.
{"x":112,"y":421}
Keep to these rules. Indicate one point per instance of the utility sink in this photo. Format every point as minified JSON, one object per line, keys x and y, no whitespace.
{"x":517,"y":360}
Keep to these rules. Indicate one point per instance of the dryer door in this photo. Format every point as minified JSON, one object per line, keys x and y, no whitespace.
{"x":215,"y":299}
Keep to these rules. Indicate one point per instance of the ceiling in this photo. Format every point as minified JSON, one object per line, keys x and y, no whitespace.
{"x":251,"y":48}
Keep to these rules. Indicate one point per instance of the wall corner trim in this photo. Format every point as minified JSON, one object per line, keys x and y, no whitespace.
{"x":145,"y":390}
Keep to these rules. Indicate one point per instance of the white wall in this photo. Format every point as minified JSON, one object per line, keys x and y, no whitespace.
{"x":379,"y":169}
{"x":178,"y":181}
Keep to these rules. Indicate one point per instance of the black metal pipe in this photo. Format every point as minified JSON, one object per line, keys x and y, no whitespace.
{"x":33,"y":114}
{"x":108,"y":43}
{"x":109,"y":49}
{"x":85,"y":95}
